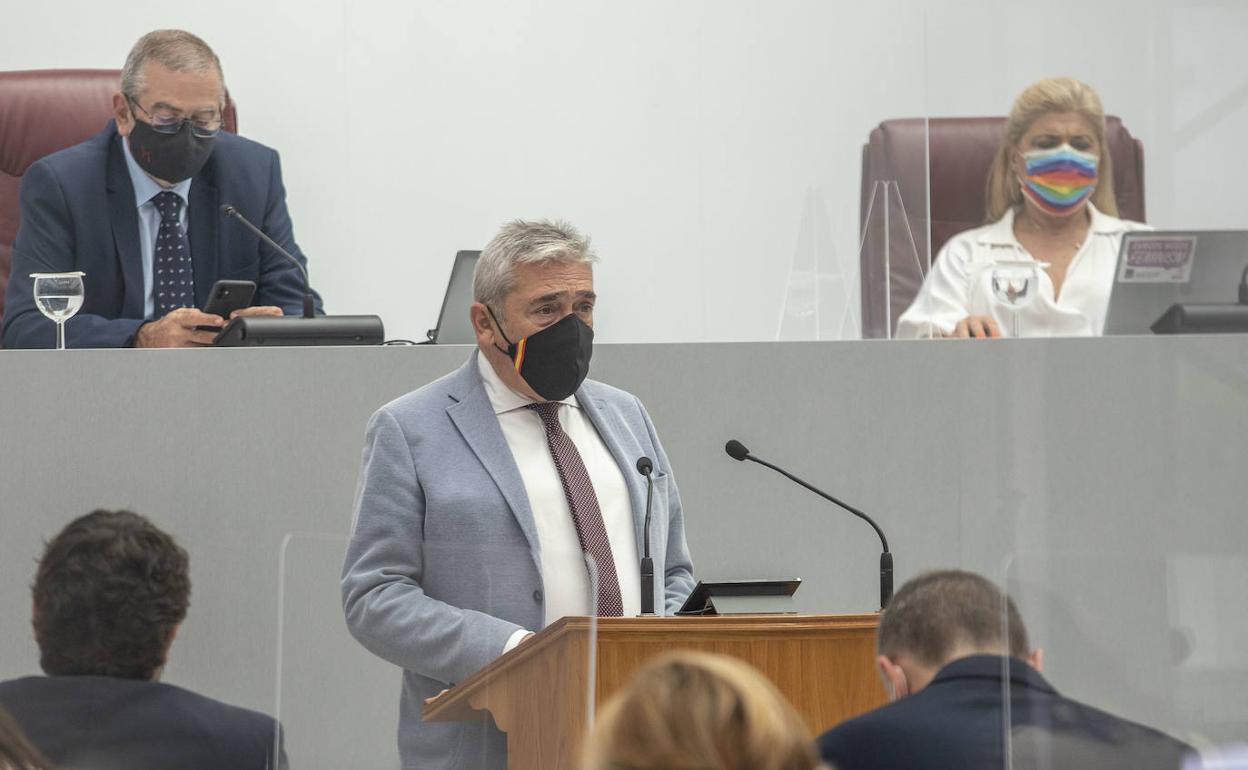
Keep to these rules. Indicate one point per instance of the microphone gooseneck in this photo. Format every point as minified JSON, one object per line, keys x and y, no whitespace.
{"x":737,"y":451}
{"x":229,"y":212}
{"x":645,"y":467}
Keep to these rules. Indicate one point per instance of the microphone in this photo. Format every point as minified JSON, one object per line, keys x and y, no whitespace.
{"x":737,"y":451}
{"x":645,"y":468}
{"x":229,"y":211}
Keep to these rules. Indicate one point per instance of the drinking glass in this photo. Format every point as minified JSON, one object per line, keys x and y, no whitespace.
{"x":58,"y":296}
{"x":1014,"y":284}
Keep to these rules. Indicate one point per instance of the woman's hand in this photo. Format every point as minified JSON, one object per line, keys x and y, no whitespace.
{"x":977,"y":326}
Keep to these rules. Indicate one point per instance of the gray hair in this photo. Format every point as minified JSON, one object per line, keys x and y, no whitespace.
{"x":522,"y":243}
{"x":176,"y":49}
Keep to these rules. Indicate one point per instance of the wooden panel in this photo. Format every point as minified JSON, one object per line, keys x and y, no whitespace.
{"x":538,"y":692}
{"x":824,"y":665}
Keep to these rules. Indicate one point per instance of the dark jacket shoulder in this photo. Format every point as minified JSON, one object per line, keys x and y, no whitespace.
{"x":957,"y":721}
{"x":106,"y":722}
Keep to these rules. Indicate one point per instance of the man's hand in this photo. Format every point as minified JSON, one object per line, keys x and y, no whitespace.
{"x":977,"y":326}
{"x":259,"y":310}
{"x":177,"y":330}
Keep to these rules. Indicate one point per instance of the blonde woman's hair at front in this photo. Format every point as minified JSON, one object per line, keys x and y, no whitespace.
{"x":1042,"y":98}
{"x":698,"y":711}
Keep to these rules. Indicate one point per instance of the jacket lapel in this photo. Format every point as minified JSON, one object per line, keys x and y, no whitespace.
{"x":202,"y":218}
{"x":616,"y":435}
{"x":124,"y":215}
{"x":474,"y":417}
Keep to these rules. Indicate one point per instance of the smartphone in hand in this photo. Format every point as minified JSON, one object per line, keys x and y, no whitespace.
{"x":225,"y":298}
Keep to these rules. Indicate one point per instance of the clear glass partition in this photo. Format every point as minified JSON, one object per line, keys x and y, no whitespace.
{"x":336,"y":702}
{"x":1156,"y":640}
{"x":421,"y":681}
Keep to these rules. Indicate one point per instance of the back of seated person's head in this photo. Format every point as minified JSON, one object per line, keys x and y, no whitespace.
{"x":109,"y":594}
{"x":942,"y":616}
{"x":16,"y":752}
{"x":698,"y":711}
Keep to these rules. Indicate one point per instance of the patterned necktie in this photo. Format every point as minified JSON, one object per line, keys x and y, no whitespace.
{"x":174,"y":283}
{"x":584,"y":505}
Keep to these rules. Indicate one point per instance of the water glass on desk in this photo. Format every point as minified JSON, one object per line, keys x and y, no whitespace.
{"x":1014,"y":284}
{"x":58,"y":296}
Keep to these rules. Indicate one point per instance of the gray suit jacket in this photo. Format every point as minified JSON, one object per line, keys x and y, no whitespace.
{"x":443,"y":564}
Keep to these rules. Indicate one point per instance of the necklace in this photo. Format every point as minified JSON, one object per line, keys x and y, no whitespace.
{"x":1064,"y":239}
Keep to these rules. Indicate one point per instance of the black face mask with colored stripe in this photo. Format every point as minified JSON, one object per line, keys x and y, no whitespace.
{"x":554,"y":361}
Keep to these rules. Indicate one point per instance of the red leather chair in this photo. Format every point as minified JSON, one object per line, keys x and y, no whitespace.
{"x":42,"y":111}
{"x":961,"y":152}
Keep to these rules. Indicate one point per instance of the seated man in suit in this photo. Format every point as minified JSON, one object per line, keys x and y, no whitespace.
{"x":137,"y":209}
{"x":943,"y":654}
{"x":109,"y":595}
{"x":487,"y":497}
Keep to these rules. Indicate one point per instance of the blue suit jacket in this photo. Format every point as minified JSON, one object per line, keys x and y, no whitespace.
{"x":78,"y":213}
{"x":957,"y":723}
{"x":109,"y":723}
{"x":443,"y":564}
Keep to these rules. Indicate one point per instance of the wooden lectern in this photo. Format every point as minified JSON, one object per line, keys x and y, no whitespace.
{"x":538,"y":692}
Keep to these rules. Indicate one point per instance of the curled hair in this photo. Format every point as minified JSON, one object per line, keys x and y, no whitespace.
{"x":175,"y":49}
{"x":937,"y":613}
{"x":109,"y":592}
{"x":698,"y":711}
{"x":520,"y":242}
{"x":1045,"y":97}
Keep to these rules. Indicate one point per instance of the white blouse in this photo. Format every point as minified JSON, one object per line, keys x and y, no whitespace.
{"x":960,"y":283}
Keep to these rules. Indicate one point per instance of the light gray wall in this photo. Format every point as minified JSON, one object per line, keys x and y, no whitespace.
{"x":711,"y":148}
{"x":1101,"y":479}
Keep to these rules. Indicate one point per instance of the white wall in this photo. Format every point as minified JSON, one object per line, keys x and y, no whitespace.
{"x":709,"y":146}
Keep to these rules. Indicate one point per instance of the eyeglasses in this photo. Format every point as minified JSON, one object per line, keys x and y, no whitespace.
{"x":204,"y":124}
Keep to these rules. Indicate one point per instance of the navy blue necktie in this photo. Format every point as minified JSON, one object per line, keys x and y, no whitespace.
{"x":173,"y":282}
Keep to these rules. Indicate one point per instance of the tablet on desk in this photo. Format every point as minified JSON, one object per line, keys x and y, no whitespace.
{"x":702,"y":600}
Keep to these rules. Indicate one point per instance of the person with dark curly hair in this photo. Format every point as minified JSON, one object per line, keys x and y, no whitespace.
{"x":109,"y":595}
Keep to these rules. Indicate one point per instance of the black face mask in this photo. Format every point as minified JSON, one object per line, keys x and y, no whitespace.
{"x":554,"y":361}
{"x":169,"y":157}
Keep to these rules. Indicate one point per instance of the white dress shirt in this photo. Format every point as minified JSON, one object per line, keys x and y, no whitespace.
{"x":145,"y":188}
{"x":960,"y":283}
{"x":565,"y":579}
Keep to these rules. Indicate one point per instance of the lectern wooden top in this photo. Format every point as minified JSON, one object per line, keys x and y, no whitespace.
{"x":658,"y":633}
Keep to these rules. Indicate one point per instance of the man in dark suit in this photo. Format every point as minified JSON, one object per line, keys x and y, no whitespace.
{"x":944,"y":658}
{"x":137,"y":209}
{"x":109,"y":595}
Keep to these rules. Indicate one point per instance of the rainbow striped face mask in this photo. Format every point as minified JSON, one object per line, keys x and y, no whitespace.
{"x":1061,"y":179}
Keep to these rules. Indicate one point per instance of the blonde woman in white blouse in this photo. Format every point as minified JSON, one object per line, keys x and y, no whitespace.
{"x":1050,"y":200}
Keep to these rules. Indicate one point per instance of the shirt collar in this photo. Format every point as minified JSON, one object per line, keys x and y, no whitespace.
{"x":1001,"y":232}
{"x":502,"y":397}
{"x":145,"y":188}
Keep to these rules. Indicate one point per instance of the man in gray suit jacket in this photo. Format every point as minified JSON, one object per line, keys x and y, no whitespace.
{"x":505,"y":495}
